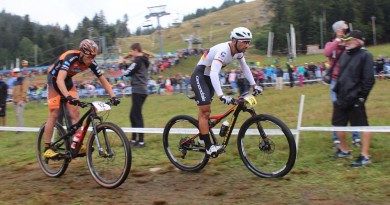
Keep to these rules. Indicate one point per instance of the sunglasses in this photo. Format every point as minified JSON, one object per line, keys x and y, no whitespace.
{"x":245,"y":42}
{"x":90,"y":57}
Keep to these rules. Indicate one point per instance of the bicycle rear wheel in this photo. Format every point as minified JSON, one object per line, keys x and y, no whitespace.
{"x":273,"y":156}
{"x":57,"y":166}
{"x":110,"y":165}
{"x":188,"y":156}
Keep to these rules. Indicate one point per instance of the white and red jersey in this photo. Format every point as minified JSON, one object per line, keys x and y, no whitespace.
{"x":216,"y":58}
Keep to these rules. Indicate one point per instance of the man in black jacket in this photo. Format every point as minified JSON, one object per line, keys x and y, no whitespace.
{"x":355,"y":81}
{"x":138,"y":70}
{"x":3,"y":100}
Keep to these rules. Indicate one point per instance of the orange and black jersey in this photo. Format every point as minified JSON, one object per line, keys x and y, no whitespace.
{"x":71,"y":62}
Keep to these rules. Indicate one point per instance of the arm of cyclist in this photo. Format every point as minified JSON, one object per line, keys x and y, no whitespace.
{"x":61,"y":82}
{"x":62,"y":74}
{"x":107,"y":86}
{"x":249,"y":76}
{"x":216,"y":67}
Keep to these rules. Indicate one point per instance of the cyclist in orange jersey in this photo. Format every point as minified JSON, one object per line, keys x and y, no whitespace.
{"x":60,"y":84}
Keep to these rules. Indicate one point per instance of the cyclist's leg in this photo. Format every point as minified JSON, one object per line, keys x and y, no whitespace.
{"x":203,"y":89}
{"x":73,"y":111}
{"x":53,"y":99}
{"x":203,"y":119}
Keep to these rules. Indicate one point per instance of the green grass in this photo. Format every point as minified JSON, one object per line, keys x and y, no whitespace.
{"x":314,"y":178}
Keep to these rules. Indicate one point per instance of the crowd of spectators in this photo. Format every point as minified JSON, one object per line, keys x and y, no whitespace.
{"x":232,"y":79}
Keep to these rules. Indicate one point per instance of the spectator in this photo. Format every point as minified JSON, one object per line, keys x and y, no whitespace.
{"x":19,"y":88}
{"x":232,"y":79}
{"x":268,"y":73}
{"x":301,"y":75}
{"x":290,"y":71}
{"x":138,"y":70}
{"x":151,"y":85}
{"x":179,"y":82}
{"x":260,"y":77}
{"x":168,"y":85}
{"x":187,"y":84}
{"x":242,"y":82}
{"x":279,"y":78}
{"x":161,"y":85}
{"x":354,"y":83}
{"x":333,"y":51}
{"x":3,"y":101}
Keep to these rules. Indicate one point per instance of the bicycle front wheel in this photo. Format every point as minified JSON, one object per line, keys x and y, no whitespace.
{"x":57,"y":166}
{"x":110,"y":164}
{"x":180,"y":141}
{"x":272,"y":155}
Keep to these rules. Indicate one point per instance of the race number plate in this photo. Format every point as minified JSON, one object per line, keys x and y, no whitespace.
{"x":101,"y":106}
{"x":250,"y":101}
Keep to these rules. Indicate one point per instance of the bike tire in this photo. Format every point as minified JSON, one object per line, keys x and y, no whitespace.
{"x":109,"y":171}
{"x":53,"y":167}
{"x":194,"y":158}
{"x":267,"y":160}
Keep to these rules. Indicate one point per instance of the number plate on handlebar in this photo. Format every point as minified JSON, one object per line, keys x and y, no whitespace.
{"x":250,"y":101}
{"x":101,"y":106}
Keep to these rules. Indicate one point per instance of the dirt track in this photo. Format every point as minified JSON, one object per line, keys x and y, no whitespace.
{"x":28,"y":185}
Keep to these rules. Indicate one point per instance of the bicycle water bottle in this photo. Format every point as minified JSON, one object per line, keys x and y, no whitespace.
{"x":224,"y":128}
{"x":76,"y":139}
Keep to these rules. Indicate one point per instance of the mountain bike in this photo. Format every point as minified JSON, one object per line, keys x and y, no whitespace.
{"x":265,"y":144}
{"x":108,"y":150}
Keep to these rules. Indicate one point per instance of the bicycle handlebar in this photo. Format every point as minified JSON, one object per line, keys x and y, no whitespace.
{"x":235,"y":101}
{"x":86,"y":104}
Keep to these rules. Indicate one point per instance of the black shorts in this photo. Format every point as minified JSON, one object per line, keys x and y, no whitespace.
{"x":3,"y":110}
{"x":355,"y":115}
{"x":202,"y":86}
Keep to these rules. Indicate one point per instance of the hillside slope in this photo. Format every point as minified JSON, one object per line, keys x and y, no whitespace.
{"x":207,"y":28}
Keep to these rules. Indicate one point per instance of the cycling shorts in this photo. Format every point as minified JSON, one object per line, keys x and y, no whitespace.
{"x":202,"y":86}
{"x":54,"y":94}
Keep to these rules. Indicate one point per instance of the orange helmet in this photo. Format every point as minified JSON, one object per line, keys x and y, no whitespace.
{"x":89,"y":47}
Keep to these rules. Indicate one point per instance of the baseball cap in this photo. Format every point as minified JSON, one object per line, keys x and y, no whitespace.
{"x":354,"y":34}
{"x":16,"y":70}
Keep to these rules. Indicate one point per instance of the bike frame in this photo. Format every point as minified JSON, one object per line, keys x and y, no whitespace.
{"x":89,"y":117}
{"x":216,"y":119}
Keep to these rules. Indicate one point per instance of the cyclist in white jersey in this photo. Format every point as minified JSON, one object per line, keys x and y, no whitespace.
{"x":205,"y":78}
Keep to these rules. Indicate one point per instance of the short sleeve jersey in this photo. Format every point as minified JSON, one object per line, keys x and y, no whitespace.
{"x":70,"y":62}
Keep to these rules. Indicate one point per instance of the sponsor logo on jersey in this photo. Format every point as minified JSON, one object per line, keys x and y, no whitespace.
{"x":73,"y":58}
{"x":77,"y":70}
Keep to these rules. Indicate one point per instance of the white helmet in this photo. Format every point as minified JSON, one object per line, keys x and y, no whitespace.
{"x":241,"y":33}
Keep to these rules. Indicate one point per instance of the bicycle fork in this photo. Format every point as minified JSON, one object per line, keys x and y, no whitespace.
{"x":102,"y":153}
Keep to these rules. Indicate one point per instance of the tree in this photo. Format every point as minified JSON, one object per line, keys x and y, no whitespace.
{"x":27,"y":28}
{"x":26,"y":49}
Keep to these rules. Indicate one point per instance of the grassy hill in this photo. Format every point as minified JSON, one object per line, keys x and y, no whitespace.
{"x":247,"y":14}
{"x":250,"y":14}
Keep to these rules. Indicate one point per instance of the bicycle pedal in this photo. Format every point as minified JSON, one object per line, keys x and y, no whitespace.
{"x":214,"y":155}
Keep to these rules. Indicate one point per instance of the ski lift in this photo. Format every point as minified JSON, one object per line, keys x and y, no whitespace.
{"x":147,"y":23}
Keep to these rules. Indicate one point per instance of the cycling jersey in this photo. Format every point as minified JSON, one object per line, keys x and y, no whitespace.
{"x":218,"y":57}
{"x":71,"y":62}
